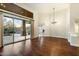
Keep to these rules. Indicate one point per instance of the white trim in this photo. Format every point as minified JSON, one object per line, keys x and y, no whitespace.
{"x":76,"y":45}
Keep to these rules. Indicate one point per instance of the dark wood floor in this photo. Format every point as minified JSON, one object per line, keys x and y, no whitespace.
{"x":46,"y":46}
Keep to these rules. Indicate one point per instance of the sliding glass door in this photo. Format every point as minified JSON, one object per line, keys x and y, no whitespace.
{"x":15,"y":30}
{"x":18,"y":29}
{"x":8,"y":30}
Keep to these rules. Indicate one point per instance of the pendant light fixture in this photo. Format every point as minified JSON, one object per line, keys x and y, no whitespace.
{"x":53,"y":20}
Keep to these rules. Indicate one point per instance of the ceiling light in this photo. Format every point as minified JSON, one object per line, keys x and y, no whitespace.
{"x":2,"y":5}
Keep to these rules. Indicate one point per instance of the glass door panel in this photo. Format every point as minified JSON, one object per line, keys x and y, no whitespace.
{"x":28,"y":29}
{"x":8,"y":30}
{"x":18,"y":29}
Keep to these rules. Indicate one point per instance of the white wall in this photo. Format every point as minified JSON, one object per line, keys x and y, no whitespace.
{"x":60,"y":29}
{"x":45,"y":21}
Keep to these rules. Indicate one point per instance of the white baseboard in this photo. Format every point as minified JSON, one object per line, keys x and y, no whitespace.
{"x":52,"y":36}
{"x":60,"y":37}
{"x":75,"y":45}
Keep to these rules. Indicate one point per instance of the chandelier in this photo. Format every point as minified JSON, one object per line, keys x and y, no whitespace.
{"x":53,"y":19}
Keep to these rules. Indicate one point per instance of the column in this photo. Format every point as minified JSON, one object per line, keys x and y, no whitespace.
{"x":32,"y":28}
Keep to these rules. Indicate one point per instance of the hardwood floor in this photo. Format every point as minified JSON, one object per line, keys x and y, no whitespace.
{"x":47,"y":46}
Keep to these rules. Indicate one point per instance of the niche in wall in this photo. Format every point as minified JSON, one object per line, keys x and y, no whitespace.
{"x":76,"y":26}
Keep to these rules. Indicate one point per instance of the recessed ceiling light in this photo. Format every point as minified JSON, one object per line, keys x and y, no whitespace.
{"x":2,"y":4}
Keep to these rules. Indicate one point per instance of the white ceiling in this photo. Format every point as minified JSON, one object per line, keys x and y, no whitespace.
{"x":43,"y":7}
